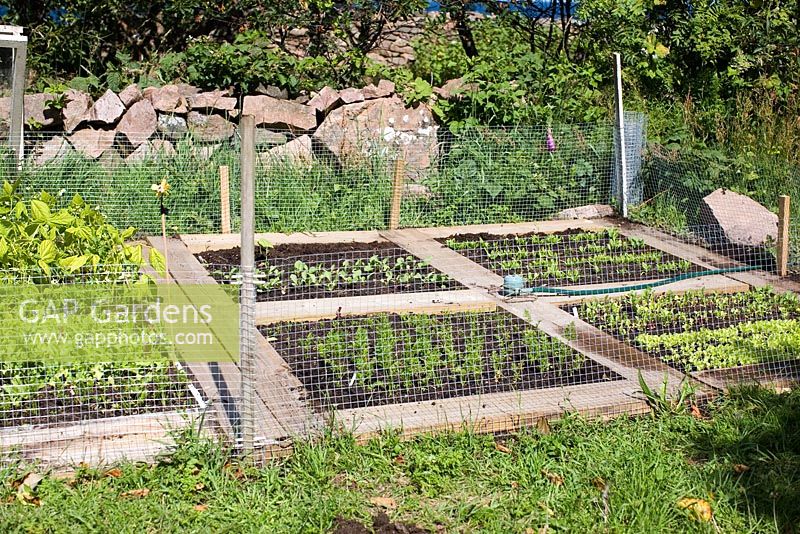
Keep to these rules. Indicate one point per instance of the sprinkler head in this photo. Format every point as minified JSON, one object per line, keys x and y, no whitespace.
{"x":512,"y":285}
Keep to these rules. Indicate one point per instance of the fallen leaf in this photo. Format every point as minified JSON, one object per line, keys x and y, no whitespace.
{"x":136,"y":493}
{"x":514,"y":484}
{"x":399,"y":459}
{"x":698,"y":509}
{"x":543,"y":426}
{"x":114,"y":473}
{"x":502,"y":448}
{"x":236,"y":471}
{"x":553,"y":477}
{"x":199,"y":486}
{"x":384,"y":502}
{"x":25,"y":491}
{"x":67,"y":477}
{"x":696,"y":412}
{"x":200,"y":507}
{"x":32,"y":480}
{"x":599,"y":483}
{"x":547,"y":509}
{"x":740,"y":468}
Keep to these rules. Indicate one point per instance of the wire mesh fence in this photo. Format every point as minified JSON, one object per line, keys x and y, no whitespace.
{"x":478,"y":175}
{"x":80,"y":382}
{"x":416,"y":328}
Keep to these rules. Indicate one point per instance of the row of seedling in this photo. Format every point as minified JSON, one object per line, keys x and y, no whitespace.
{"x":366,"y":360}
{"x":697,"y":330}
{"x":283,"y":277}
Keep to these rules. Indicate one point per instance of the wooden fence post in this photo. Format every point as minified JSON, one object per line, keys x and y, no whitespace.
{"x":397,"y":193}
{"x":783,"y":235}
{"x":225,"y":198}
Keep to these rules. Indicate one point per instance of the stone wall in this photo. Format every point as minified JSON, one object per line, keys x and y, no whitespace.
{"x":394,"y":48}
{"x":135,"y":124}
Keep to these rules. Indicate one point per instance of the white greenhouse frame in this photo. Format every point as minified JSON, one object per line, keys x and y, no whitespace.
{"x":12,"y":37}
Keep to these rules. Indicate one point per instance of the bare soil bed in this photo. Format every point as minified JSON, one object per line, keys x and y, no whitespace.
{"x":302,"y":271}
{"x":354,"y":362}
{"x":569,"y":258}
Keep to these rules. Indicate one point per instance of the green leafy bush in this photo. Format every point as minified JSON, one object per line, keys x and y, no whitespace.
{"x":38,"y":239}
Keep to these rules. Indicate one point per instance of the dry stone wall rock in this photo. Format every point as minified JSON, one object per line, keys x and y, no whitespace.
{"x":280,"y":114}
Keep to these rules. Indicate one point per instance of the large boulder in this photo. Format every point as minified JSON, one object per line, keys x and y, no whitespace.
{"x":151,"y":150}
{"x":209,"y":128}
{"x":76,"y":110}
{"x":37,"y":110}
{"x":281,"y":114}
{"x":171,"y":98}
{"x":297,"y":152}
{"x":130,"y":95}
{"x":351,"y":95}
{"x":107,"y":109}
{"x":172,"y":126}
{"x":139,"y":123}
{"x":356,"y":130}
{"x":325,"y":100}
{"x":382,"y":90}
{"x":212,"y":100}
{"x":54,"y":149}
{"x":266,"y":137}
{"x":92,"y":143}
{"x":737,"y":219}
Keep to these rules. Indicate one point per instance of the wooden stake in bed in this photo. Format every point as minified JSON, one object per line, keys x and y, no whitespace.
{"x":397,"y":193}
{"x":783,"y":235}
{"x":225,"y":198}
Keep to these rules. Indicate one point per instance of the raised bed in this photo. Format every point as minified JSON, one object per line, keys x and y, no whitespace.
{"x":35,"y":394}
{"x":570,"y":258}
{"x":364,"y":361}
{"x":330,"y":270}
{"x":705,"y":332}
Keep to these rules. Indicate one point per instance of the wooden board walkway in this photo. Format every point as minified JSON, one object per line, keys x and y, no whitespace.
{"x":329,"y":308}
{"x":97,"y":441}
{"x":495,"y":412}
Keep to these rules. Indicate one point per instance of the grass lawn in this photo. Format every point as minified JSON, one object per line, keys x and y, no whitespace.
{"x":628,"y":475}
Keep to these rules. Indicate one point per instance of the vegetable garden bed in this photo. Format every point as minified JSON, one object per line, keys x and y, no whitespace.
{"x":697,"y":331}
{"x":323,"y":270}
{"x":362,"y":361}
{"x":569,"y":258}
{"x":36,"y":394}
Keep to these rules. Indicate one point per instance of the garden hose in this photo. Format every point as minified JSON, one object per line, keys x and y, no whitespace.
{"x":513,"y":285}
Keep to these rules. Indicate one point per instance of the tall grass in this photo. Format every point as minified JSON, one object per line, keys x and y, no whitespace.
{"x":479,"y":175}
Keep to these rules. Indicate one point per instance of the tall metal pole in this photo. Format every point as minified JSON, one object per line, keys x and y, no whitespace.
{"x":248,"y":290}
{"x":620,"y":152}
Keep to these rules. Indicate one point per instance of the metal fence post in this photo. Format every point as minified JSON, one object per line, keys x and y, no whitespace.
{"x":248,"y":290}
{"x":620,"y":152}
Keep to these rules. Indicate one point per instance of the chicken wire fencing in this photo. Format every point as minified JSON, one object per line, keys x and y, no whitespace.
{"x":727,"y":205}
{"x":414,"y":329}
{"x":305,"y":183}
{"x":88,"y":377}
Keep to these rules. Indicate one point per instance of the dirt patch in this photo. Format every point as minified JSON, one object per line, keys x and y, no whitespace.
{"x":303,"y":271}
{"x":380,"y":525}
{"x":569,"y":258}
{"x":354,"y":362}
